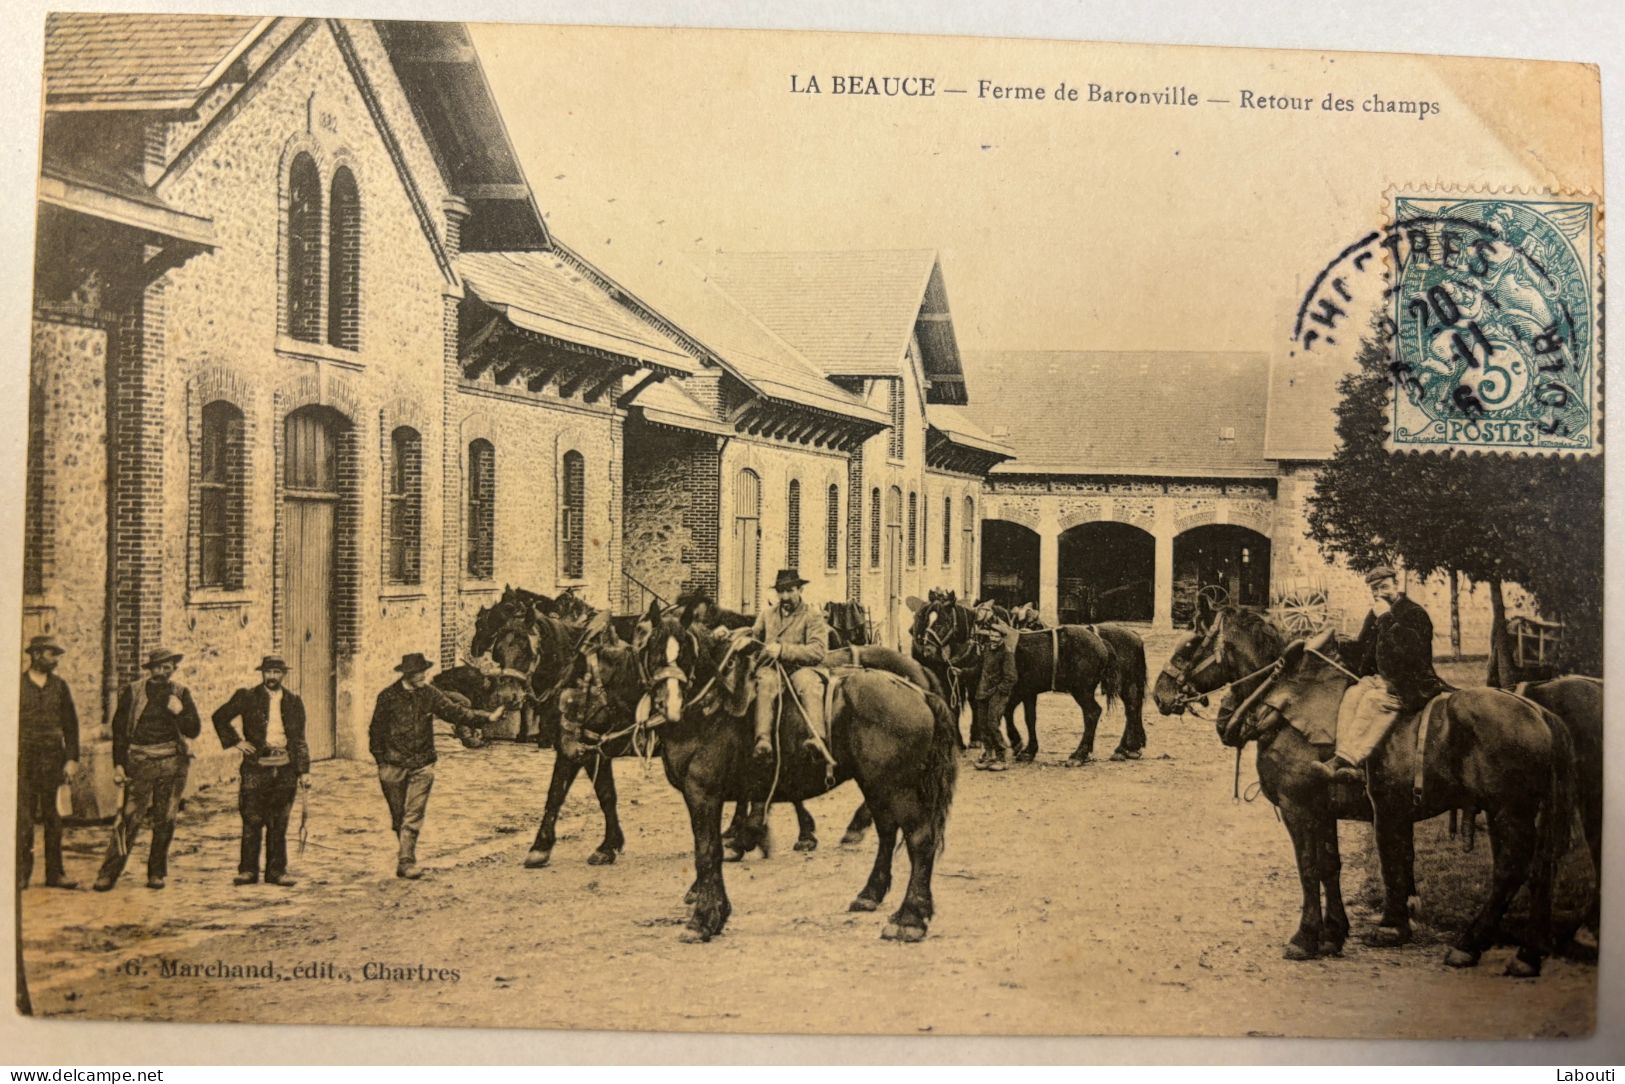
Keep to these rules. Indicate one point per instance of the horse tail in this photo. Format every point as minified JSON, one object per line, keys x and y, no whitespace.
{"x":941,"y":767}
{"x":1132,"y":672}
{"x":1111,"y":673}
{"x":1559,"y":811}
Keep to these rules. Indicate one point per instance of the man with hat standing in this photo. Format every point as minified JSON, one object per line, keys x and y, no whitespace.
{"x":48,"y":754}
{"x":151,"y":725}
{"x":401,"y":738}
{"x":797,"y":638}
{"x":1394,"y":660}
{"x":276,"y":764}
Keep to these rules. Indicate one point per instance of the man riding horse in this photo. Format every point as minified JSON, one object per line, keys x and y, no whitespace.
{"x":797,"y":638}
{"x":1394,"y":660}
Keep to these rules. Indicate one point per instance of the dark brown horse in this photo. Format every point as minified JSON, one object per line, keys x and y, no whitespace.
{"x":1077,"y":660}
{"x":1486,"y":748}
{"x":895,"y":740}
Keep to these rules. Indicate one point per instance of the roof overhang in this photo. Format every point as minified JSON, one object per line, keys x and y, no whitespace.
{"x":136,"y":210}
{"x":962,"y":453}
{"x":939,"y":349}
{"x":1018,"y":469}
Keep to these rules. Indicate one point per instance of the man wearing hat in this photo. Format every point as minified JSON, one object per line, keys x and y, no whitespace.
{"x":276,"y":764}
{"x":401,"y":738}
{"x":151,"y":725}
{"x":797,"y":637}
{"x":48,"y":754}
{"x":1394,"y":660}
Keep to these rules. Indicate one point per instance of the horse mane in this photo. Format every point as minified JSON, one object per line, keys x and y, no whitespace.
{"x":1248,"y":622}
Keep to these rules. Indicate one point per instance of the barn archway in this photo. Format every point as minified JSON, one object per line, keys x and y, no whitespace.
{"x":1107,"y":573}
{"x":1009,"y":562}
{"x":1219,"y":564}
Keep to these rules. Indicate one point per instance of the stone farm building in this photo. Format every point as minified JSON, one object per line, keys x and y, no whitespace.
{"x":310,"y":374}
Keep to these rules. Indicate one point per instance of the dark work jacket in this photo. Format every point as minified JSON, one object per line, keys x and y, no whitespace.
{"x":1398,"y":646}
{"x":135,"y":698}
{"x":253,"y":706}
{"x":402,"y":730}
{"x":46,"y":720}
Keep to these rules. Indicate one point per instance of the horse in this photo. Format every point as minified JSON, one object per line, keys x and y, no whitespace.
{"x":943,"y":642}
{"x":1577,"y":700}
{"x":895,"y":740}
{"x":1075,"y":659}
{"x":1489,"y":748}
{"x":482,"y":691}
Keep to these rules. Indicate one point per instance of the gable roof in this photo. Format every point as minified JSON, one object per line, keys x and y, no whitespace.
{"x":1303,"y":398}
{"x":880,"y":299}
{"x":1124,"y":412}
{"x":539,"y":292}
{"x":104,"y":60}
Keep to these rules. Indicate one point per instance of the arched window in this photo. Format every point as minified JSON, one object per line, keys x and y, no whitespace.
{"x":913,"y":526}
{"x":947,"y":529}
{"x":874,"y":527}
{"x":344,"y":263}
{"x":573,"y":516}
{"x":832,"y":529}
{"x":482,"y":505}
{"x":220,"y":498}
{"x":403,"y":507}
{"x":792,"y":526}
{"x":303,"y":288}
{"x":967,"y":548}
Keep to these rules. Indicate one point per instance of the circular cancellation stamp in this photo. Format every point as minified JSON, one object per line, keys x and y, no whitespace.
{"x":1490,"y":302}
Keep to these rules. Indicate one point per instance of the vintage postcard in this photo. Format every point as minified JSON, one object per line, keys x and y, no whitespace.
{"x":742,"y":531}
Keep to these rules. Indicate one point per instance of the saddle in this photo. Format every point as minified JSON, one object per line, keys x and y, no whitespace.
{"x":1428,"y":719}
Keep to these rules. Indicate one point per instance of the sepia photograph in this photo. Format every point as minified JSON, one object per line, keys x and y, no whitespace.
{"x":790,"y":532}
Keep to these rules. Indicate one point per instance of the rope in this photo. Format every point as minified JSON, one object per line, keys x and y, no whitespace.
{"x":1328,"y":659}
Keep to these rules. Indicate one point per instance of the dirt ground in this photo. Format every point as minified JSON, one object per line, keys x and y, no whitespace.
{"x":1134,"y":898}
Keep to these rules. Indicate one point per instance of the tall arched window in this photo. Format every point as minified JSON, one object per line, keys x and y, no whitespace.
{"x":303,"y":288}
{"x":874,"y":527}
{"x":573,"y":516}
{"x":913,"y":526}
{"x":482,"y":492}
{"x":792,"y":526}
{"x":832,"y":529}
{"x":747,"y":539}
{"x":947,"y":529}
{"x":967,"y":548}
{"x":220,"y":498}
{"x":403,"y":507}
{"x":344,"y":262}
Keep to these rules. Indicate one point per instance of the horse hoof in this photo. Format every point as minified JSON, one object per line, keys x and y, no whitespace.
{"x":601,"y":857}
{"x":1388,"y":937}
{"x":910,"y":934}
{"x":863,"y":904}
{"x":1126,"y":754}
{"x":851,"y":839}
{"x":1295,"y":951}
{"x":734,"y":856}
{"x":689,"y":897}
{"x":1027,"y":756}
{"x":806,"y":844}
{"x":1331,"y":948}
{"x":1460,"y":958}
{"x":538,"y":859}
{"x":691,"y":936}
{"x":1075,"y":761}
{"x":1519,"y":968}
{"x":891,"y":932}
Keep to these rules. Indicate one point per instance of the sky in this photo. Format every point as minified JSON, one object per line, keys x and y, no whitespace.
{"x":1060,"y":224}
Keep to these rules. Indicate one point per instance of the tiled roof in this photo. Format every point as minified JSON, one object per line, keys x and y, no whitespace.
{"x":849,"y":313}
{"x":542,"y":293}
{"x":956,"y":424}
{"x":666,"y":403}
{"x":1107,"y":412}
{"x":157,"y":61}
{"x":1303,"y":397}
{"x":702,"y":310}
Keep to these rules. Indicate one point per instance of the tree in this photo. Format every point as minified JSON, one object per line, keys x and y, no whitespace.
{"x":1492,"y":517}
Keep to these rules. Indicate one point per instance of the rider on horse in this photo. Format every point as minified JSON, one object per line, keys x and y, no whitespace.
{"x":1394,"y":660}
{"x":797,"y":638}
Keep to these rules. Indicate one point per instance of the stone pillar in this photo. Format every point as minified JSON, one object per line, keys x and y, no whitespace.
{"x":1049,"y":563}
{"x":1163,"y":530}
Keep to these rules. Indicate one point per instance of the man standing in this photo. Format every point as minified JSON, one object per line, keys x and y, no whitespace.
{"x":1394,"y":661}
{"x":154,"y":718}
{"x":401,"y":738}
{"x":797,"y":637}
{"x":276,"y":764}
{"x":48,"y":754}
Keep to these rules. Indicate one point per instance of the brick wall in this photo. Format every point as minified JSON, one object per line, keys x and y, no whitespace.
{"x":775,"y":465}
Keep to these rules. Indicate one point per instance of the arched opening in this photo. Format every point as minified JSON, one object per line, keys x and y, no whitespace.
{"x":1216,"y":565}
{"x":1107,"y":573}
{"x":1009,"y":560}
{"x":303,"y":288}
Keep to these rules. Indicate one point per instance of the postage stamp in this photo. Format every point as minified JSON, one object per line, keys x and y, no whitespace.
{"x":1494,"y":302}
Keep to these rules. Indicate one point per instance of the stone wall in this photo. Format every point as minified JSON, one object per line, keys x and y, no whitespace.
{"x":670,"y":511}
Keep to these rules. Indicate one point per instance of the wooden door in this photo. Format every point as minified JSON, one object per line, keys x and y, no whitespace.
{"x":310,"y":503}
{"x":747,"y":540}
{"x":893,"y":555}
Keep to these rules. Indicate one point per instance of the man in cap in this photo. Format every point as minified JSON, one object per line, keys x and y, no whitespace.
{"x":401,"y":738}
{"x":797,"y":637}
{"x":48,"y":754}
{"x":151,"y":725}
{"x":1394,"y":661}
{"x":276,"y":764}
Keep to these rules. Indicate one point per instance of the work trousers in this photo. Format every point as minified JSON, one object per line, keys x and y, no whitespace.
{"x":1364,"y":718}
{"x":265,"y":800}
{"x":39,"y":773}
{"x":155,"y":780}
{"x":407,"y":792}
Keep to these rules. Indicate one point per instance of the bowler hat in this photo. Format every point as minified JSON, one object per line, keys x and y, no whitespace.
{"x":414,"y":663}
{"x":272,"y":662}
{"x":45,"y":643}
{"x":160,"y":655}
{"x":788,"y":578}
{"x":1380,"y":573}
